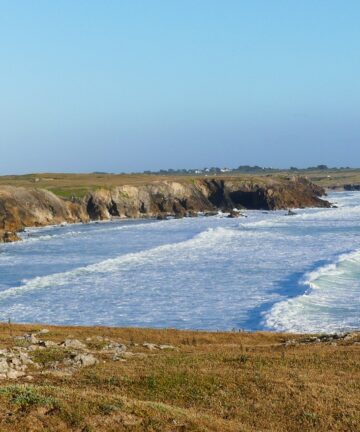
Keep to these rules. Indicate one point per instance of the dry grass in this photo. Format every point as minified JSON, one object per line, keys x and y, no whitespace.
{"x":213,"y":382}
{"x":66,"y":185}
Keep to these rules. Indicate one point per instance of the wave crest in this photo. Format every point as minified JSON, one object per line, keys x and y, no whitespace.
{"x":331,"y":302}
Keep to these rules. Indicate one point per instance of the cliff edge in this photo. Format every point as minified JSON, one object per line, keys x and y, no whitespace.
{"x":25,"y":207}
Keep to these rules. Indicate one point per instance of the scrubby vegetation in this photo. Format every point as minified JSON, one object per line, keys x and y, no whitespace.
{"x":208,"y":382}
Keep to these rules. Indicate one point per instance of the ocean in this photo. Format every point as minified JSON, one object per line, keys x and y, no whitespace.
{"x":266,"y":271}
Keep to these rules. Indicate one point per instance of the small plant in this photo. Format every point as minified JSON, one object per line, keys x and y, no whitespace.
{"x":26,"y":396}
{"x":49,"y":355}
{"x":22,"y":343}
{"x":107,"y":409}
{"x":96,"y":345}
{"x":241,"y":359}
{"x":310,"y":417}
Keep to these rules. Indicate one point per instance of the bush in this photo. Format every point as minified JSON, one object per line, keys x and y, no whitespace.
{"x":26,"y":396}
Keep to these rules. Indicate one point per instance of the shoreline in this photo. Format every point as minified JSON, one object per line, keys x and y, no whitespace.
{"x":84,"y":327}
{"x":115,"y":323}
{"x":24,"y":207}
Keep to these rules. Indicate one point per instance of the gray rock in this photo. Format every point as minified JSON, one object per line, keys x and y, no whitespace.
{"x":84,"y":360}
{"x":32,"y":339}
{"x":150,"y":346}
{"x":73,"y":344}
{"x":25,"y":359}
{"x":35,"y":347}
{"x":14,"y":374}
{"x":118,"y":358}
{"x":4,"y":367}
{"x":117,"y":347}
{"x":48,"y":344}
{"x":126,"y":354}
{"x":16,"y":363}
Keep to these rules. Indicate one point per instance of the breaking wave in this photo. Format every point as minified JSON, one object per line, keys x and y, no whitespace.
{"x":210,"y":237}
{"x":29,"y":236}
{"x":331,"y":302}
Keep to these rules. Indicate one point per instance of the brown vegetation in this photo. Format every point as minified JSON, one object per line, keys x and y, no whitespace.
{"x":210,"y":382}
{"x":65,"y":185}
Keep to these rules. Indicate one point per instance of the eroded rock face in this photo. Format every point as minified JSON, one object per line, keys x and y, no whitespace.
{"x":181,"y":199}
{"x":20,"y":207}
{"x":8,"y":236}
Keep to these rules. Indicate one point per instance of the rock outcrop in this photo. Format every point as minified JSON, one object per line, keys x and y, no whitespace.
{"x":31,"y":355}
{"x":183,"y":199}
{"x":352,"y":187}
{"x":21,"y":208}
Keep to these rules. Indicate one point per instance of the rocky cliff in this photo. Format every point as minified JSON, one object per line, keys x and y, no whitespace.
{"x":352,"y":187}
{"x":20,"y":207}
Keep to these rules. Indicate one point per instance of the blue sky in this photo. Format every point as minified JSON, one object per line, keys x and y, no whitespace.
{"x":130,"y":85}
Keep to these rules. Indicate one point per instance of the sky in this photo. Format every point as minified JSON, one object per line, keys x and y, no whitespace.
{"x":133,"y":85}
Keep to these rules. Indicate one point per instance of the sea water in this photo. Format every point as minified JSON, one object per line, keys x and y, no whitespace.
{"x":266,"y":271}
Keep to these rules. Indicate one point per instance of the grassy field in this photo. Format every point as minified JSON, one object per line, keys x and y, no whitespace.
{"x":67,"y":185}
{"x":210,"y":382}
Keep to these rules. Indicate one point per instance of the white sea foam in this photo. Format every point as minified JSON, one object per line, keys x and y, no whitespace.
{"x":330,"y":303}
{"x":109,"y":265}
{"x":264,"y":271}
{"x":29,"y":237}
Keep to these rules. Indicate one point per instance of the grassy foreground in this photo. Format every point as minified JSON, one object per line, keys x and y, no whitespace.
{"x":210,"y":382}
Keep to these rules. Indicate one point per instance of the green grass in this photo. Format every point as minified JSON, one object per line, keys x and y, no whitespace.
{"x":49,"y":355}
{"x":69,"y":193}
{"x":27,"y":396}
{"x":220,"y":382}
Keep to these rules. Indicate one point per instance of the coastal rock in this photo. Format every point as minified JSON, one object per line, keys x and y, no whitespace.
{"x":331,"y":339}
{"x":173,"y":198}
{"x":15,"y":362}
{"x":8,"y":237}
{"x":235,"y":214}
{"x":21,"y":207}
{"x":352,"y":187}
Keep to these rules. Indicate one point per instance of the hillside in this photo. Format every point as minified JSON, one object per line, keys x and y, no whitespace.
{"x":109,"y":379}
